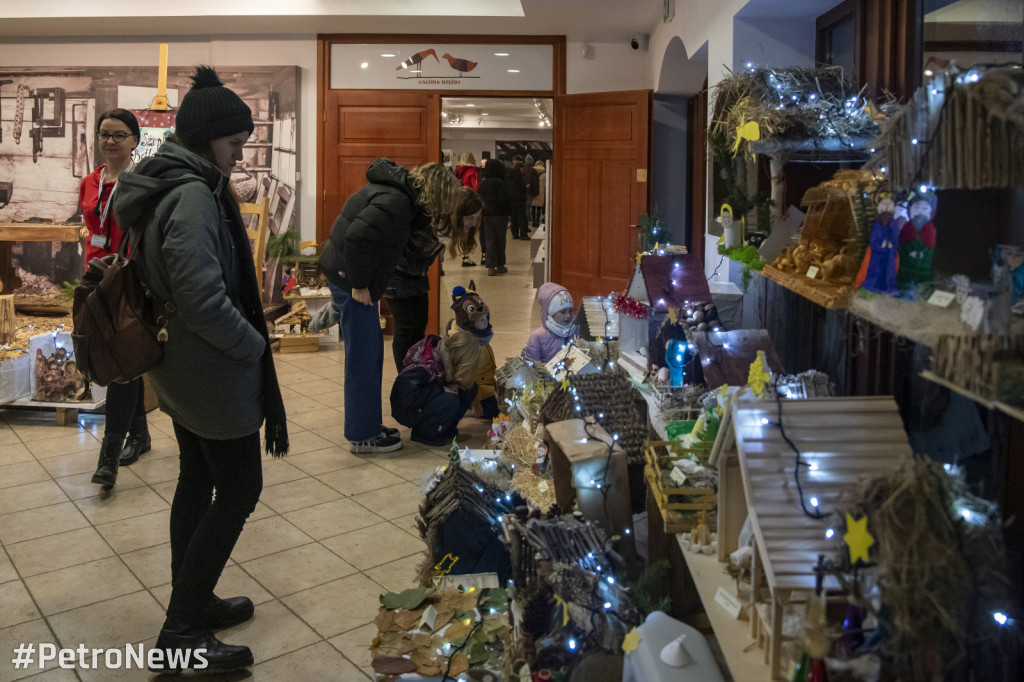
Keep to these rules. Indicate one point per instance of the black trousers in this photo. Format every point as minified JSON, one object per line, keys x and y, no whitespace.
{"x":520,"y":223}
{"x":537,"y":212}
{"x":203,"y":529}
{"x":410,"y":313}
{"x":125,"y":402}
{"x":494,"y":239}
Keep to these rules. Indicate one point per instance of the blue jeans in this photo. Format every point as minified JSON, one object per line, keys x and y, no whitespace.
{"x":364,"y":364}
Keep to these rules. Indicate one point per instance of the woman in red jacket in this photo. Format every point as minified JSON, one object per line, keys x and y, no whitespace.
{"x":117,"y":136}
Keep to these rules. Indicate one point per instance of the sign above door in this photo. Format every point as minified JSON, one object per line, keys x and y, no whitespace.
{"x":442,"y":66}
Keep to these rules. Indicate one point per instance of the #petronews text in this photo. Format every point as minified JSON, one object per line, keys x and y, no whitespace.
{"x":112,"y":659}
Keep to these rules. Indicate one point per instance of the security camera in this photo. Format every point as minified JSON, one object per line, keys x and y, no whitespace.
{"x":639,"y":41}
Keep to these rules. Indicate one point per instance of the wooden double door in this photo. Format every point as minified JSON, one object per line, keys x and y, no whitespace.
{"x":601,"y":151}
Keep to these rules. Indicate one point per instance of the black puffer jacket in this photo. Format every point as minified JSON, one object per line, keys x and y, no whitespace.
{"x":493,"y":189}
{"x":368,"y":238}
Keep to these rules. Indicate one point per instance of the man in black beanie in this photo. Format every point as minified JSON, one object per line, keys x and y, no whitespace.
{"x":216,"y":379}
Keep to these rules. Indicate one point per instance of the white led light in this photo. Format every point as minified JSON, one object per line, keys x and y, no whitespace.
{"x":814,"y":501}
{"x":607,"y":604}
{"x":364,"y":65}
{"x":829,"y":533}
{"x":765,"y":421}
{"x":914,"y":140}
{"x":572,"y":645}
{"x":1000,"y":618}
{"x":611,"y":580}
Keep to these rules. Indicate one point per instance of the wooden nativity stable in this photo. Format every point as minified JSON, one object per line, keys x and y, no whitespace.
{"x":660,"y":283}
{"x":841,"y":441}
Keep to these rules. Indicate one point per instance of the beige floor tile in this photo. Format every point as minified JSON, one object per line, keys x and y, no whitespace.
{"x":151,"y":565}
{"x":234,"y":582}
{"x":82,"y":441}
{"x":306,"y":441}
{"x":302,"y":404}
{"x":34,"y":430}
{"x":408,"y":523}
{"x":165,"y":490}
{"x":305,"y":492}
{"x":156,"y":470}
{"x":30,"y":496}
{"x":16,"y":606}
{"x":397,"y":575}
{"x":35,"y":523}
{"x":267,"y":536}
{"x":323,"y":416}
{"x":315,"y":387}
{"x":318,"y":662}
{"x":76,"y":463}
{"x":14,"y":451}
{"x":261,"y":511}
{"x":374,"y":545}
{"x":35,"y":632}
{"x":127,"y":670}
{"x":297,"y":569}
{"x":7,"y":572}
{"x":7,"y":435}
{"x":393,"y":501}
{"x":355,"y":644}
{"x":111,"y":623}
{"x":321,"y":461}
{"x":334,"y":433}
{"x":277,"y":470}
{"x":359,"y":479}
{"x":80,"y":486}
{"x":335,"y":398}
{"x":120,"y":504}
{"x":90,"y":583}
{"x":413,"y":464}
{"x":319,"y":606}
{"x":52,"y":552}
{"x":332,"y":518}
{"x":163,"y":446}
{"x":272,"y":632}
{"x":137,"y":532}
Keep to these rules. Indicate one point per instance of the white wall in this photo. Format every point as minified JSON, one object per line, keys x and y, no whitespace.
{"x":252,"y":51}
{"x":610,"y":67}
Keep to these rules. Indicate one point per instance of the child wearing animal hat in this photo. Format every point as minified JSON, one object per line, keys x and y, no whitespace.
{"x":436,"y":387}
{"x":474,"y":317}
{"x":557,"y":330}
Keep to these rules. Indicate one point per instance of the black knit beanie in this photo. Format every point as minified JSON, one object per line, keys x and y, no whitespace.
{"x":210,"y":111}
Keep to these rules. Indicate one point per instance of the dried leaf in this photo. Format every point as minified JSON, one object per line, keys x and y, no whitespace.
{"x":406,"y":599}
{"x":385,"y":620}
{"x":395,"y":644}
{"x":460,"y":664}
{"x":427,"y":663}
{"x":444,"y":616}
{"x":393,"y":665}
{"x":407,"y":620}
{"x":457,"y":630}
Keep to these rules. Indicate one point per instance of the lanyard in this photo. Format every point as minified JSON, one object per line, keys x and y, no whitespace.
{"x":105,"y":209}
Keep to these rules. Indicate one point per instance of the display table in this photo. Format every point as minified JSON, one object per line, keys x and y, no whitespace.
{"x":28,"y":232}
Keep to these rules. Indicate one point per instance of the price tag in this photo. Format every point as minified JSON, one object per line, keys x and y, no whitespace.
{"x":812,"y":272}
{"x":941,"y":298}
{"x":728,"y":602}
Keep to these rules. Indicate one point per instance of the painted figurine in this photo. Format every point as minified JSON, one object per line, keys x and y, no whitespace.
{"x":881,"y":261}
{"x":917,"y":246}
{"x":473,"y":316}
{"x":557,"y":330}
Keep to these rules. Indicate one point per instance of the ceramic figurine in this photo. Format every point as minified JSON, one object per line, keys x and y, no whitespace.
{"x":917,"y":246}
{"x":879,"y":270}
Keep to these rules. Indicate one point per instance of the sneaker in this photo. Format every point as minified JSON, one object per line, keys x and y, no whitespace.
{"x":466,"y":263}
{"x":388,"y":431}
{"x":382,"y":442}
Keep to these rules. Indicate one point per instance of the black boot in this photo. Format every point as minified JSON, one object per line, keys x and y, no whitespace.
{"x":106,"y":468}
{"x":179,"y":644}
{"x":225,"y":613}
{"x":138,"y":442}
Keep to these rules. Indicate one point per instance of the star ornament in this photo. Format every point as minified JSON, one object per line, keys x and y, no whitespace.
{"x":759,"y":375}
{"x":631,"y":641}
{"x":857,"y":538}
{"x":565,"y":384}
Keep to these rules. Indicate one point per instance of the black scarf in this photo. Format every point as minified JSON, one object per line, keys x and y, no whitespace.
{"x":276,"y":422}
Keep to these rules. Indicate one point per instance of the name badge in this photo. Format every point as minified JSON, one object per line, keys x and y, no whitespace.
{"x":100,"y":241}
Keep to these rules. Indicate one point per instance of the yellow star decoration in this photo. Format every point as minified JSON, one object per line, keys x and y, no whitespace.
{"x":759,"y":375}
{"x":857,"y":538}
{"x":639,"y":255}
{"x":565,"y":384}
{"x":632,"y":641}
{"x":673,"y":316}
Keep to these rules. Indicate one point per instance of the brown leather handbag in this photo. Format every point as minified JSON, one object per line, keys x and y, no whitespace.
{"x":117,"y":335}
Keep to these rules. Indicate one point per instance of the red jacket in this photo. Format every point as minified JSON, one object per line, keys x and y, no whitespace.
{"x":92,"y":208}
{"x":470,"y":176}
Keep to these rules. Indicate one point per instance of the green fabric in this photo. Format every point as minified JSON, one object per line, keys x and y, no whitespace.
{"x":915,"y":264}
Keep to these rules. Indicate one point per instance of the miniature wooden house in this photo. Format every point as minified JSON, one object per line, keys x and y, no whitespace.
{"x":660,"y":283}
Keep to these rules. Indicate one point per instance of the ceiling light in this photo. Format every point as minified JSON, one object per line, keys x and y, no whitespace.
{"x":388,"y":54}
{"x":470,"y":105}
{"x":364,"y":65}
{"x":484,"y":113}
{"x":512,"y":70}
{"x":501,"y":54}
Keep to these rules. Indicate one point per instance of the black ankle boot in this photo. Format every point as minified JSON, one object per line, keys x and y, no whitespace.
{"x":106,"y":468}
{"x":225,"y":613}
{"x":138,"y":442}
{"x":180,"y":643}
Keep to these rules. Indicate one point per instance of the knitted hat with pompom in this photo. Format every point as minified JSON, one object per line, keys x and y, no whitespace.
{"x":210,"y":111}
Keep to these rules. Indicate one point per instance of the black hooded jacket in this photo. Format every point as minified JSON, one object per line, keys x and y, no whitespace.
{"x":371,"y":232}
{"x":493,"y":189}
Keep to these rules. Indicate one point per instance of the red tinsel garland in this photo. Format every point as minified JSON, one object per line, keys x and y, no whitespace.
{"x":626,"y":304}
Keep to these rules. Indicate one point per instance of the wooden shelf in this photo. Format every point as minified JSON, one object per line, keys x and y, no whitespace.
{"x":1009,"y":410}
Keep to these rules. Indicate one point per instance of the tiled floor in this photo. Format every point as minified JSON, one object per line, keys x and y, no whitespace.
{"x":331,"y":532}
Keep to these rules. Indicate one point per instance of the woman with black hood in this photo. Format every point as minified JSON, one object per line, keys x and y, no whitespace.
{"x":216,"y":379}
{"x":497,"y":208}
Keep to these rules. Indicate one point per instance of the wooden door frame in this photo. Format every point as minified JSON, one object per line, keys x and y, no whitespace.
{"x":324,"y":42}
